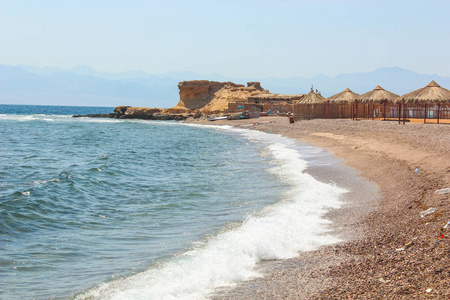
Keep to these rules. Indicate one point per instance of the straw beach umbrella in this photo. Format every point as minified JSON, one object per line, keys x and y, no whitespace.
{"x":433,"y":94}
{"x":344,"y":97}
{"x":313,"y":98}
{"x":377,"y":95}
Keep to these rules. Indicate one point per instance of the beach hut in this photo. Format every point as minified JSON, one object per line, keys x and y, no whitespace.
{"x":313,"y":97}
{"x":432,"y":95}
{"x":346,"y":96}
{"x":311,"y":104}
{"x":344,"y":99}
{"x":377,"y":96}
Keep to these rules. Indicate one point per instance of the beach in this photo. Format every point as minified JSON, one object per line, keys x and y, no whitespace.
{"x":390,"y":251}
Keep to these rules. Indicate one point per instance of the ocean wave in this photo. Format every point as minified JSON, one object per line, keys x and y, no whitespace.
{"x":279,"y":231}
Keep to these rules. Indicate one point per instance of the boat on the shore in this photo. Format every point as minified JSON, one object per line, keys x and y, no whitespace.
{"x":217,"y":118}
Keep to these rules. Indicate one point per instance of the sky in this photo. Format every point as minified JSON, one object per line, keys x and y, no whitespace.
{"x":245,"y":38}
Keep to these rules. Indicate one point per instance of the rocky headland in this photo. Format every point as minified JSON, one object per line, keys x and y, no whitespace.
{"x":143,"y":113}
{"x":197,"y":98}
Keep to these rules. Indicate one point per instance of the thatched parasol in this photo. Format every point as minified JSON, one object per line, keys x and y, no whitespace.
{"x":343,"y":97}
{"x":312,"y":98}
{"x":432,"y":93}
{"x":377,"y":95}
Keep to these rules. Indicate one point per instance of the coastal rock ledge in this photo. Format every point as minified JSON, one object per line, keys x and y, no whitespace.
{"x":143,"y":113}
{"x":197,"y":97}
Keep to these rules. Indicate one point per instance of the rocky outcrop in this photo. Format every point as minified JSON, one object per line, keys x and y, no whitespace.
{"x":197,"y":98}
{"x":212,"y":96}
{"x":197,"y":93}
{"x":143,"y":113}
{"x":128,"y":112}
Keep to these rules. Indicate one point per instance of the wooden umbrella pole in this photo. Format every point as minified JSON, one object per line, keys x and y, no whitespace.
{"x":404,"y":112}
{"x":353,"y":111}
{"x":328,"y":105}
{"x":399,"y":112}
{"x":425,"y":116}
{"x":384,"y":114}
{"x":439,"y":109}
{"x":373,"y":111}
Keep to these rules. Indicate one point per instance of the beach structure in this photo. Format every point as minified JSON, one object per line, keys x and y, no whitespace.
{"x":346,"y":96}
{"x":312,"y":97}
{"x":343,"y":99}
{"x":270,"y":103}
{"x":315,"y":105}
{"x":273,"y":98}
{"x":309,"y":105}
{"x":431,"y":101}
{"x":373,"y":100}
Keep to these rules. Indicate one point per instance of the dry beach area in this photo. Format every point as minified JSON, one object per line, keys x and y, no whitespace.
{"x":389,"y":251}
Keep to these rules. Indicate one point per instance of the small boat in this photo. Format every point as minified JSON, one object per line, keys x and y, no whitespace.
{"x":218,"y":118}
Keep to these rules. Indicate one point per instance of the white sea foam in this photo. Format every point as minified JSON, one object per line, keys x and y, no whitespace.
{"x":53,"y":118}
{"x":35,"y":117}
{"x":280,"y":231}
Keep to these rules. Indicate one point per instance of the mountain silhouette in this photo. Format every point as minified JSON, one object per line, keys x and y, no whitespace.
{"x":82,"y":85}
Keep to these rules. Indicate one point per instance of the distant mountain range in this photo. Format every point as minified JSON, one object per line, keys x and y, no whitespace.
{"x":83,"y":85}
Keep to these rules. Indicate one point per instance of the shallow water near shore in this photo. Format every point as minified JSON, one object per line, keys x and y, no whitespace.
{"x":113,"y":209}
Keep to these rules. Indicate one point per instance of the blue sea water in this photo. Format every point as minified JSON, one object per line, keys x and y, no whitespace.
{"x":132,"y":209}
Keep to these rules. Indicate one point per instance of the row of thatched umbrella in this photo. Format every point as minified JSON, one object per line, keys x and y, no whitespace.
{"x":432,"y":93}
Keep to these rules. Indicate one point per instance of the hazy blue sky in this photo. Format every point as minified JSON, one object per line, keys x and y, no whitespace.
{"x":281,"y":38}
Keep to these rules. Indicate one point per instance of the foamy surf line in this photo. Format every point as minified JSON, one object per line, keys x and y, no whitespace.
{"x":280,"y":231}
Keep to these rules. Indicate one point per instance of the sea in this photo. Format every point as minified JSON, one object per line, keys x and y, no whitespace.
{"x":94,"y":208}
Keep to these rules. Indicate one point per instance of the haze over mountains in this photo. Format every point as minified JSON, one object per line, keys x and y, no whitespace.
{"x":83,"y":85}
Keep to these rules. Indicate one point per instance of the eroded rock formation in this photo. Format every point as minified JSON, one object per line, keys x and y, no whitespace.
{"x":197,"y":98}
{"x":212,"y":96}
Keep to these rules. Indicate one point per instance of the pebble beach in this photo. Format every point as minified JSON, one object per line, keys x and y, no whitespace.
{"x":392,"y":249}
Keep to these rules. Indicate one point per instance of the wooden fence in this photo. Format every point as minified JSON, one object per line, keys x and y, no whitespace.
{"x":431,"y":113}
{"x":402,"y":112}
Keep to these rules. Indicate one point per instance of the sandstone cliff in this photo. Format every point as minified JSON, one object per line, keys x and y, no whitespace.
{"x":212,"y":96}
{"x":199,"y":97}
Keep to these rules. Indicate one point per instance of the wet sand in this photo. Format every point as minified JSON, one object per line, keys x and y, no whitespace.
{"x":389,"y":252}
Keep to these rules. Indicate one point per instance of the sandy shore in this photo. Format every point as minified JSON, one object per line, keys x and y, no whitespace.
{"x":408,"y":163}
